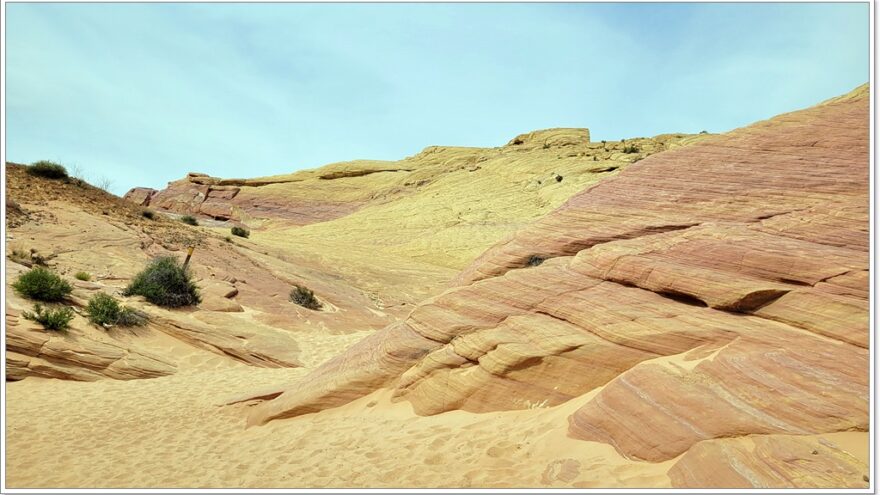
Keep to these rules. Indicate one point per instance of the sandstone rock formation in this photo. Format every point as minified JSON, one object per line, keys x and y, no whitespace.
{"x":245,"y":315}
{"x":77,"y":355}
{"x":771,"y":461}
{"x":358,"y":217}
{"x":713,"y":291}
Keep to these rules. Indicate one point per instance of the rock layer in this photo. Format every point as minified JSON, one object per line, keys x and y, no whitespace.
{"x":717,"y":290}
{"x":77,"y":355}
{"x":772,"y":461}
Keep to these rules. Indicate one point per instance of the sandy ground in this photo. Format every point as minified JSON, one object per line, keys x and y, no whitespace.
{"x":173,"y":432}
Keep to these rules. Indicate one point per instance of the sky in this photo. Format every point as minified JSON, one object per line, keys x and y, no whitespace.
{"x":141,"y":94}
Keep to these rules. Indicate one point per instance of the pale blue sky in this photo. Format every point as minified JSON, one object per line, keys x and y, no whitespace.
{"x":143,"y":93}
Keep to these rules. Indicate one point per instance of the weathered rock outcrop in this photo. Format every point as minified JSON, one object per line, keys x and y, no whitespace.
{"x":245,"y":314}
{"x":358,"y":217}
{"x":141,"y":196}
{"x":772,"y":461}
{"x":31,"y":351}
{"x":713,"y":291}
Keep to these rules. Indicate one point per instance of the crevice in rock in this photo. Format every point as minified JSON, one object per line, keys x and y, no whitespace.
{"x":559,"y":318}
{"x":577,"y":246}
{"x":681,"y":297}
{"x":754,"y":301}
{"x":358,"y":173}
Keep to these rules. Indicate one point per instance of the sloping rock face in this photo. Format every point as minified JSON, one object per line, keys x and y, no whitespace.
{"x":713,"y":291}
{"x":77,"y":355}
{"x":772,"y":461}
{"x":438,"y":209}
{"x":140,"y":196}
{"x":245,"y":314}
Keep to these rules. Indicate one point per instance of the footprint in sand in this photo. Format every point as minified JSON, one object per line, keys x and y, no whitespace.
{"x":499,"y":449}
{"x":435,"y":459}
{"x":439,"y":442}
{"x":561,"y":470}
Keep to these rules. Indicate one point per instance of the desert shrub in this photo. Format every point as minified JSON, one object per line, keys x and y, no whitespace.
{"x":304,"y":297}
{"x":534,"y":260}
{"x":241,"y":232}
{"x":631,"y":149}
{"x":20,"y":256}
{"x":47,"y":169}
{"x":704,"y":132}
{"x":51,"y":319}
{"x":189,"y":220}
{"x":228,"y":239}
{"x":165,"y":282}
{"x":131,"y":318}
{"x":148,"y":214}
{"x":85,"y":276}
{"x":42,"y":284}
{"x":105,"y":310}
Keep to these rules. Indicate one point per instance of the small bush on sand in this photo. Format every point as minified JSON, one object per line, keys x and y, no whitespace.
{"x":51,"y":319}
{"x":104,"y":310}
{"x":304,"y":297}
{"x":148,"y":214}
{"x":84,"y":276}
{"x":47,"y":169}
{"x":189,"y":220}
{"x":241,"y":232}
{"x":165,"y":282}
{"x":42,"y":284}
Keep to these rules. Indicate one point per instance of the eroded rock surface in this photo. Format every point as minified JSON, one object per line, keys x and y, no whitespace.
{"x":713,"y":291}
{"x":772,"y":461}
{"x":75,"y":355}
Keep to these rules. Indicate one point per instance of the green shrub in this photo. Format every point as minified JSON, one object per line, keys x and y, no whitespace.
{"x":85,"y":276}
{"x":51,"y":319}
{"x":304,"y":297}
{"x":241,"y":232}
{"x":131,"y":318}
{"x":148,"y":214}
{"x":47,"y":169}
{"x":165,"y":282}
{"x":189,"y":220}
{"x":228,"y":239}
{"x":42,"y":284}
{"x":105,"y":310}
